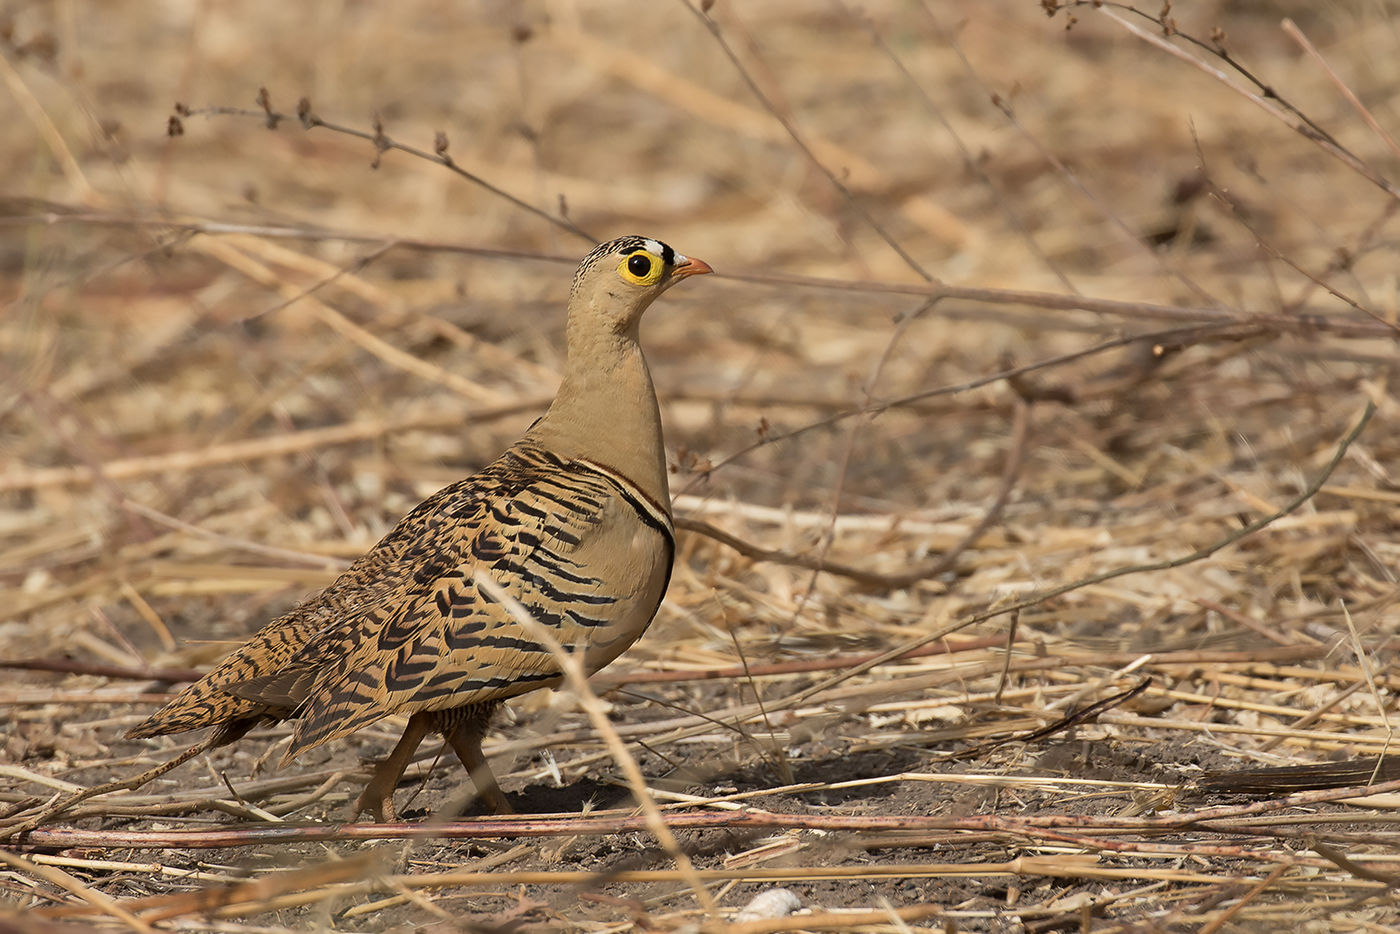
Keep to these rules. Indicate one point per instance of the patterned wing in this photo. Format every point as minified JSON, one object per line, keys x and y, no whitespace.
{"x":569,"y":544}
{"x":252,"y":682}
{"x":207,"y":702}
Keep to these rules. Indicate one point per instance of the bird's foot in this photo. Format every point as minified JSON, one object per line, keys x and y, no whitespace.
{"x":378,"y":803}
{"x":495,"y":799}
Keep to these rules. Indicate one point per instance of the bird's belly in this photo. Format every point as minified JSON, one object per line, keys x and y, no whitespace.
{"x":646,"y":564}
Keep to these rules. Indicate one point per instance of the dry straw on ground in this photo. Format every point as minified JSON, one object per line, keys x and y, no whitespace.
{"x":1035,"y":450}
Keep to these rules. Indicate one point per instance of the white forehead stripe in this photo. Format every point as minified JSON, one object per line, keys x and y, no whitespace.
{"x":654,"y":246}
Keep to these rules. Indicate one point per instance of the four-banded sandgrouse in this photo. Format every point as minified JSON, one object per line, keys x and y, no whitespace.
{"x":573,"y":520}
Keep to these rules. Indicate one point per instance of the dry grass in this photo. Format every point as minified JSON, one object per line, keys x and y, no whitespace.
{"x":1024,"y":335}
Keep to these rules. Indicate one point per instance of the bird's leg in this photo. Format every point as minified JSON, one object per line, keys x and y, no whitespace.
{"x":26,"y":824}
{"x":378,"y":794}
{"x":465,"y":740}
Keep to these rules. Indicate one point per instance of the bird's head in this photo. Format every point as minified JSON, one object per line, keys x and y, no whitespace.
{"x":620,"y":278}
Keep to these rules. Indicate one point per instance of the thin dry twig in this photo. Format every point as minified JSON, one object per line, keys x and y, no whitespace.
{"x":382,"y":143}
{"x":18,"y":826}
{"x":1214,"y":818}
{"x":1267,"y":99}
{"x":1040,"y":598}
{"x":56,"y":876}
{"x":1070,"y":720}
{"x":1297,"y":35}
{"x":577,"y":679}
{"x":800,"y":142}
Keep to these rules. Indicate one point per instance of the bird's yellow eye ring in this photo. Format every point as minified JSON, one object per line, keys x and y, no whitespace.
{"x":641,"y":268}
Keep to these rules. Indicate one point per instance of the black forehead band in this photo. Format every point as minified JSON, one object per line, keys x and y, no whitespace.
{"x":629,"y":245}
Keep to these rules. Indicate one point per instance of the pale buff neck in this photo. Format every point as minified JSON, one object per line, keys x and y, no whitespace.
{"x":606,"y":408}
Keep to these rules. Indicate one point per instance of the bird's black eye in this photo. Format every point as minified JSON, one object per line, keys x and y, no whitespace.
{"x":639,"y":265}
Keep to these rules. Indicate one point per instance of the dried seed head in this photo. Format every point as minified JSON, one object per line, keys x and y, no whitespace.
{"x":265,"y":102}
{"x":304,"y":114}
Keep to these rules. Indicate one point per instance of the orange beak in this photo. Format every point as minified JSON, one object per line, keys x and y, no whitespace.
{"x":686,"y":266}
